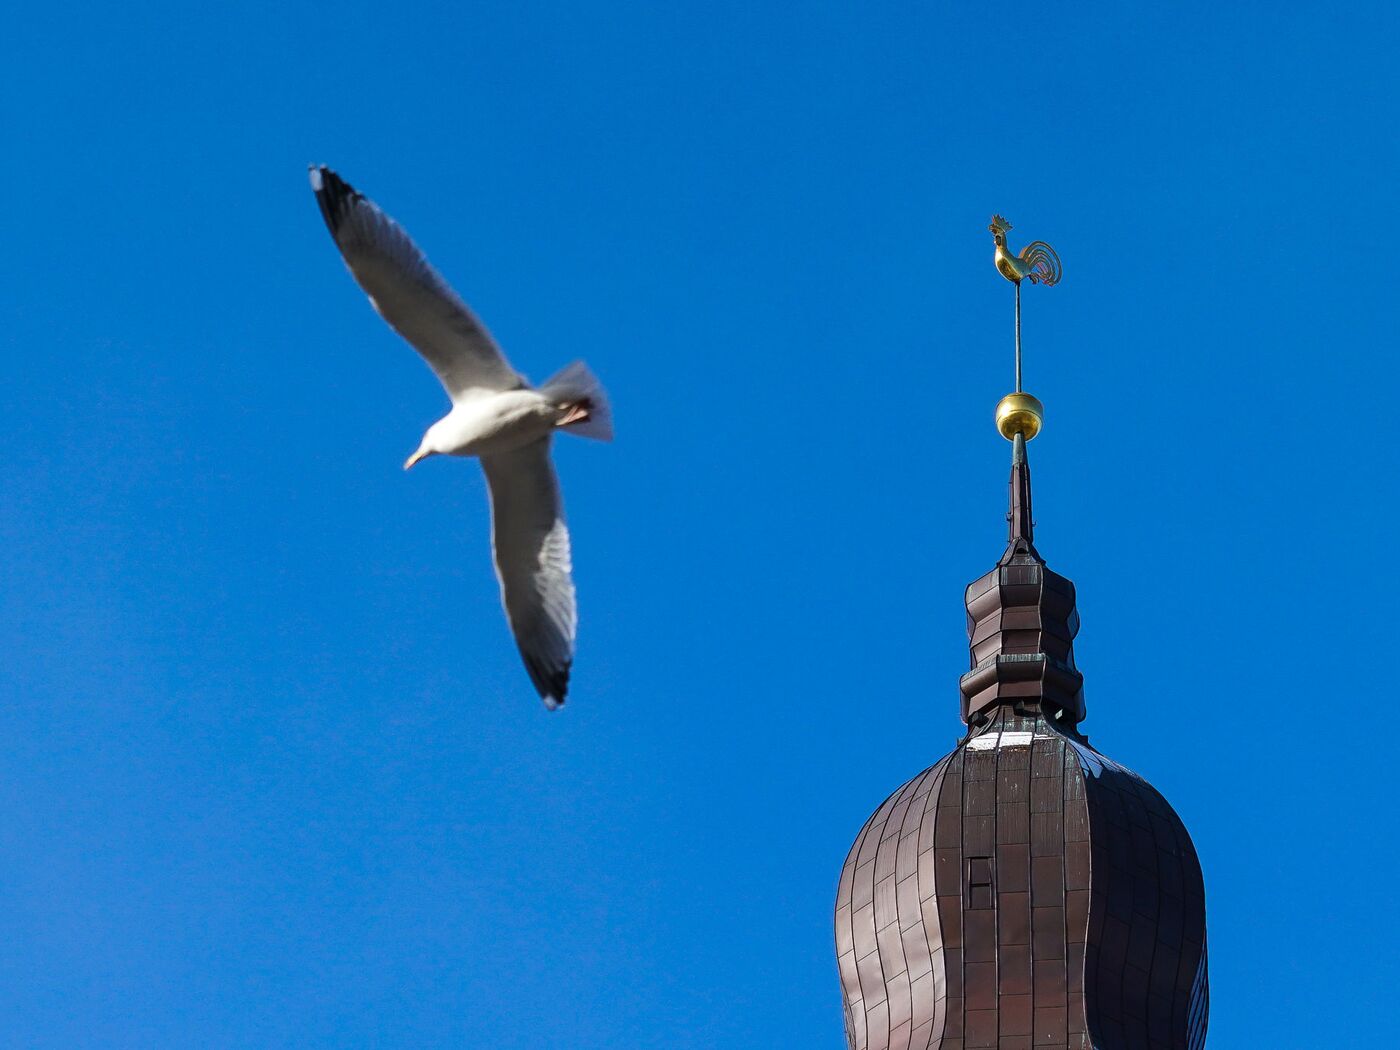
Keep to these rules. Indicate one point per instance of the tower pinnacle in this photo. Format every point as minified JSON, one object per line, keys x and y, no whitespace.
{"x":1021,"y":519}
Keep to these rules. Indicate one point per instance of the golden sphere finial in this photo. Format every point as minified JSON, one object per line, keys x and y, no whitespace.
{"x":1019,"y":413}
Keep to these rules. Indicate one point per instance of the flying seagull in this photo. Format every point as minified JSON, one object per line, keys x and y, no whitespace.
{"x":496,"y":416}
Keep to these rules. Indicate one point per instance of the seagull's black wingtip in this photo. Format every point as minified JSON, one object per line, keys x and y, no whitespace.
{"x":333,"y":194}
{"x":551,"y":683}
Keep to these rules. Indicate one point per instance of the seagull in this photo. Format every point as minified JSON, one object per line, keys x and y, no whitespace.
{"x":496,"y":416}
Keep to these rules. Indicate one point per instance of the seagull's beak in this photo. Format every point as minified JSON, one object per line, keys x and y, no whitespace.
{"x":422,"y":453}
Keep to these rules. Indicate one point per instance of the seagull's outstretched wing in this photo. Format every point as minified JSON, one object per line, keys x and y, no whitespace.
{"x":531,"y":545}
{"x":409,"y":293}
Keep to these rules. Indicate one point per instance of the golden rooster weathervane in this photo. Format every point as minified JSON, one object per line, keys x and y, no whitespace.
{"x":1019,"y":412}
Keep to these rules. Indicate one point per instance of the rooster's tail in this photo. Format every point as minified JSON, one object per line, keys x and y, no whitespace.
{"x":1043,"y":262}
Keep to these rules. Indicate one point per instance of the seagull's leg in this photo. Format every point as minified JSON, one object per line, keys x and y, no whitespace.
{"x":575,"y":413}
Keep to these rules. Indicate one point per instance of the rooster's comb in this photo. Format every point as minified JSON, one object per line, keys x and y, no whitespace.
{"x":999,"y":225}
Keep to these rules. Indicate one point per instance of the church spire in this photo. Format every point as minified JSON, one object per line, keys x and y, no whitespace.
{"x":1020,"y":415}
{"x":1021,"y":520}
{"x":1021,"y":617}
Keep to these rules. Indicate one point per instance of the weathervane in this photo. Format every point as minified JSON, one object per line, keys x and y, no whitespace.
{"x":1019,"y":412}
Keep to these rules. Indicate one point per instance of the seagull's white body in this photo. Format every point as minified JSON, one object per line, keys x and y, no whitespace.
{"x":496,"y":416}
{"x":489,"y":423}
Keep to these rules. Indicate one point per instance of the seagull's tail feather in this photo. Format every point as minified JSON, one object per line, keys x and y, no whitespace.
{"x":577,"y":387}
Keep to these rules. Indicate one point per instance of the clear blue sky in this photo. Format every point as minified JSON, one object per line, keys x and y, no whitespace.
{"x":270,"y":772}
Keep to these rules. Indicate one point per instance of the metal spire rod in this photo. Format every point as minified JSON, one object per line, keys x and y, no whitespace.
{"x":1018,"y":337}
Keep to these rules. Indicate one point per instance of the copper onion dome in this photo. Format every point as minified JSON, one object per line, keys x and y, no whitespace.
{"x":1025,"y":891}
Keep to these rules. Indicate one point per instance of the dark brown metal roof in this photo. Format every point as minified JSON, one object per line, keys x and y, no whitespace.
{"x":1021,"y":623}
{"x":1025,"y":891}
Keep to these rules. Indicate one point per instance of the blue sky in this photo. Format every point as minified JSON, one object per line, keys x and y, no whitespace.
{"x":271,"y":773}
